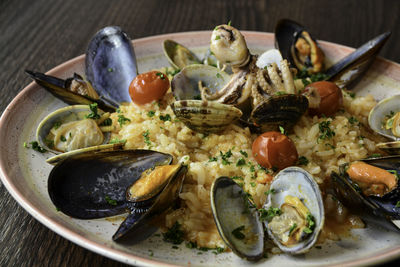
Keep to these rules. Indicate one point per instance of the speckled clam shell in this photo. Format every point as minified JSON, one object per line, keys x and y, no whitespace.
{"x":205,"y":116}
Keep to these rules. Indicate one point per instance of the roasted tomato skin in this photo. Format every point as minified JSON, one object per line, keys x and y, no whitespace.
{"x":331,"y":98}
{"x":274,"y":150}
{"x":148,"y":87}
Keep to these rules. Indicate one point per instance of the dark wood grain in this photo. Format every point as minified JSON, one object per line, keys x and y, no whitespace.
{"x":42,"y":34}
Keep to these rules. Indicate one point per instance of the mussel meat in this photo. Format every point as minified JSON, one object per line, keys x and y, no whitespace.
{"x":370,"y":189}
{"x":102,"y":184}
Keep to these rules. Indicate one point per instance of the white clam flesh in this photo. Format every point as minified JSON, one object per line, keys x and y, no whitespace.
{"x":295,"y":211}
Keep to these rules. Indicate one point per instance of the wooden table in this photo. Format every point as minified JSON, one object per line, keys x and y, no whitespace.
{"x":42,"y":34}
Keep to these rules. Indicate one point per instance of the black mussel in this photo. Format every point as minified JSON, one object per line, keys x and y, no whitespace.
{"x":279,"y":110}
{"x":370,"y":189}
{"x":93,"y":185}
{"x":73,"y":91}
{"x":349,"y":70}
{"x":296,"y":44}
{"x":111,"y":64}
{"x":153,"y":201}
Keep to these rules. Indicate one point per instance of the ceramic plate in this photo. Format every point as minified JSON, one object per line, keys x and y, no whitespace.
{"x":24,"y":171}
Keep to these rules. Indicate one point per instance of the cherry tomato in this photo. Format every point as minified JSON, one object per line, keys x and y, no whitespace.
{"x":148,"y":87}
{"x":274,"y":150}
{"x":330,"y":95}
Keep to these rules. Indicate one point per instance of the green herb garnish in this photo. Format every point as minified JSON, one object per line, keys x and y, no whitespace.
{"x":352,"y":120}
{"x":282,"y":130}
{"x":111,"y":201}
{"x":122,"y":120}
{"x":241,"y":162}
{"x":146,"y":138}
{"x":106,"y":122}
{"x":167,"y":117}
{"x":270,"y":191}
{"x":57,"y":125}
{"x":117,"y":141}
{"x":267,"y":215}
{"x":35,"y":146}
{"x":237,"y":233}
{"x":161,"y":75}
{"x":212,"y":159}
{"x":62,"y":138}
{"x":303,"y":161}
{"x":151,"y":113}
{"x":244,"y":153}
{"x":93,"y":115}
{"x":217,"y":37}
{"x":292,"y":228}
{"x":325,"y":131}
{"x":174,"y":234}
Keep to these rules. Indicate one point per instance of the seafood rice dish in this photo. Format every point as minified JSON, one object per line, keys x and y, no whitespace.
{"x":253,"y":154}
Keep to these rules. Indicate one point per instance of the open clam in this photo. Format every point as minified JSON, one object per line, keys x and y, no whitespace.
{"x":294,"y":211}
{"x":384,"y":119}
{"x":74,"y":129}
{"x":370,"y":189}
{"x":237,"y":219}
{"x":297,"y":45}
{"x":202,"y":115}
{"x":102,"y":184}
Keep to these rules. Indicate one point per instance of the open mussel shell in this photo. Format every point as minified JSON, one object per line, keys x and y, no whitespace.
{"x":237,"y":219}
{"x":93,"y":184}
{"x":298,"y":183}
{"x":178,"y":55}
{"x":279,"y":110}
{"x":287,"y":33}
{"x":62,"y":90}
{"x":167,"y":196}
{"x":376,"y":210}
{"x":348,"y":71}
{"x":205,"y":116}
{"x":111,"y":64}
{"x":185,"y":85}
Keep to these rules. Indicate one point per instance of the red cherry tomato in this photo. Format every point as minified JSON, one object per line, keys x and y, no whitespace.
{"x":331,"y":98}
{"x":274,"y":150}
{"x":148,"y":87}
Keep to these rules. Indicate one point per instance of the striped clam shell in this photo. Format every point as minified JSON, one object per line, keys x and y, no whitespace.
{"x":205,"y":116}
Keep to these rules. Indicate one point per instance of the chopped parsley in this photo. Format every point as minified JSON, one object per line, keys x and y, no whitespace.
{"x":122,"y":120}
{"x":241,"y":162}
{"x":252,"y":167}
{"x":167,"y":117}
{"x":174,"y":234}
{"x":244,"y":153}
{"x":146,"y":137}
{"x":282,"y":130}
{"x":353,"y":120}
{"x":218,"y":75}
{"x":237,"y":233}
{"x":161,"y":75}
{"x":375,"y":155}
{"x":280,"y":93}
{"x":398,"y":204}
{"x":229,"y":23}
{"x":191,"y":245}
{"x":57,"y":125}
{"x":110,"y":70}
{"x":173,"y":72}
{"x":253,"y":184}
{"x":395,"y":173}
{"x":35,"y":146}
{"x":237,"y":178}
{"x":270,"y":191}
{"x":292,"y":228}
{"x":111,"y":201}
{"x":325,"y":131}
{"x":151,"y":113}
{"x":303,"y":161}
{"x":310,"y":224}
{"x":26,"y":145}
{"x":225,"y":157}
{"x":93,"y":115}
{"x":267,"y":215}
{"x":62,"y":138}
{"x":212,"y":159}
{"x":217,"y":37}
{"x":106,"y":122}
